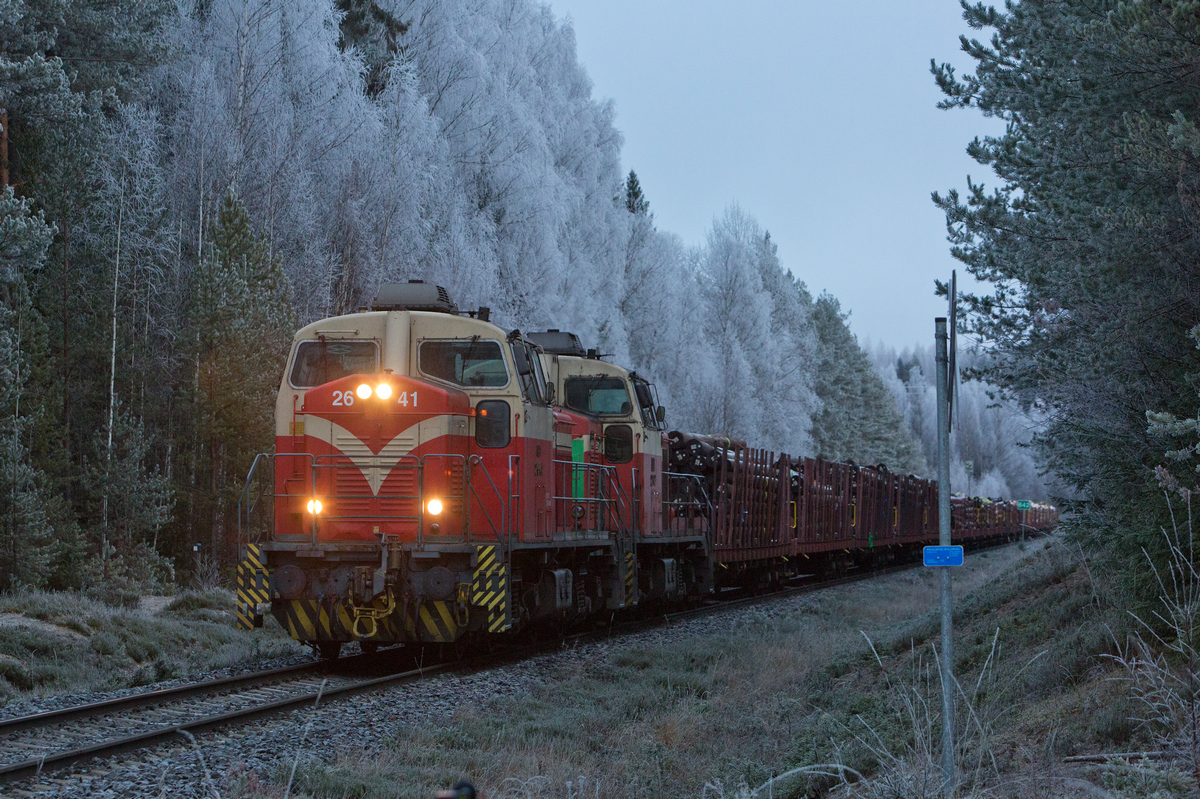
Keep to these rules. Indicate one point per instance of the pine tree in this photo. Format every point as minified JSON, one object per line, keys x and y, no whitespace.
{"x":136,"y":497}
{"x":635,"y":202}
{"x":26,"y":541}
{"x":859,"y":421}
{"x":240,"y":330}
{"x":55,"y":127}
{"x":1089,"y":240}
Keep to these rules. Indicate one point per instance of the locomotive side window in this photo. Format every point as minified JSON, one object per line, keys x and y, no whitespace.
{"x":318,"y":362}
{"x":600,"y":396}
{"x":539,"y":375}
{"x":529,"y":370}
{"x":618,"y":443}
{"x":492,"y":424}
{"x":464,"y":362}
{"x":648,"y":402}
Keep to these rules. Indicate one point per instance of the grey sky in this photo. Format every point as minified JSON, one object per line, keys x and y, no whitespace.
{"x":818,"y":118}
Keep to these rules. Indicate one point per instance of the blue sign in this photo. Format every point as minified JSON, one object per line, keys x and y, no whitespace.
{"x":943,"y":556}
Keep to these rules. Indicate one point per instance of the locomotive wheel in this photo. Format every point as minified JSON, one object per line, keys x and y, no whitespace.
{"x":329,"y":650}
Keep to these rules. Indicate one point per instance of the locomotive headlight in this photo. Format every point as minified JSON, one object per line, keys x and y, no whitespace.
{"x":314,"y":507}
{"x":363,"y":391}
{"x":434,"y":506}
{"x":383,"y":391}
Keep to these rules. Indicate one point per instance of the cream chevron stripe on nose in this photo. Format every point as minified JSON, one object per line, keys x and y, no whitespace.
{"x":375,"y":467}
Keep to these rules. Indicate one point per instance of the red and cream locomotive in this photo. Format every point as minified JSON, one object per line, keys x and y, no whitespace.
{"x":435,"y":477}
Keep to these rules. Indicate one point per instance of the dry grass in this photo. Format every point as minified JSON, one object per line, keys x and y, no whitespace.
{"x":57,"y":642}
{"x":720,"y":714}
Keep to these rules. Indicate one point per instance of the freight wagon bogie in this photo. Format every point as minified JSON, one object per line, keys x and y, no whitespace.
{"x":670,"y":572}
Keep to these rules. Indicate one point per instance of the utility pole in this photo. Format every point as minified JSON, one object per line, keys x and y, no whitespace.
{"x":947,"y":666}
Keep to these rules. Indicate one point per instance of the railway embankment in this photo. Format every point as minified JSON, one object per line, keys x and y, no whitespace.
{"x":61,"y":647}
{"x":844,"y":677}
{"x":717,"y":705}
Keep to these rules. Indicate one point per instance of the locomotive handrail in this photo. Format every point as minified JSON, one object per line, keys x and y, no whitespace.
{"x":312,"y":483}
{"x":244,"y":501}
{"x":621,"y":504}
{"x":606,"y":475}
{"x":635,"y":515}
{"x":702,"y":507}
{"x":466,"y":524}
{"x":514,"y":463}
{"x":501,"y":535}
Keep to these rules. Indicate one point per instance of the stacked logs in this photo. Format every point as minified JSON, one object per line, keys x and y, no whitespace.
{"x":697,"y":453}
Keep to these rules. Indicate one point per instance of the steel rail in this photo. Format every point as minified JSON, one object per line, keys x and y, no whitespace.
{"x":58,"y":760}
{"x":145,"y":698}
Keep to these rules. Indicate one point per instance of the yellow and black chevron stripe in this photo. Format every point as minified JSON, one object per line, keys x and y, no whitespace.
{"x":436,"y":622}
{"x":251,"y":588}
{"x":490,"y":588}
{"x":312,"y":620}
{"x":630,"y":579}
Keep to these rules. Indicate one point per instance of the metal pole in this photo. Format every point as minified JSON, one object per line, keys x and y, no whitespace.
{"x":943,"y":415}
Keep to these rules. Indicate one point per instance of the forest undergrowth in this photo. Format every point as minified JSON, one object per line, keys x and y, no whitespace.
{"x":52,"y":643}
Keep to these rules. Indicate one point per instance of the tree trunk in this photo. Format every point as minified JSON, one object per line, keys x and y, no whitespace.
{"x":3,"y":149}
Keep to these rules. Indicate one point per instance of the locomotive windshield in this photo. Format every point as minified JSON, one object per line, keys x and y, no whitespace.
{"x":600,"y":396}
{"x":464,"y":362}
{"x":318,"y":362}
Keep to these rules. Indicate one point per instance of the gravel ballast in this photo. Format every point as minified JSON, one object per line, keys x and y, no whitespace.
{"x":231,"y":760}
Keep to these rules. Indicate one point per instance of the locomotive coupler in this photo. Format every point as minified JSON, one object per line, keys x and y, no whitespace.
{"x":368,"y":616}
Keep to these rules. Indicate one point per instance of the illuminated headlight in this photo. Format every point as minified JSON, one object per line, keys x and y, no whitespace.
{"x":383,"y":391}
{"x":363,"y":391}
{"x":434,"y":506}
{"x":314,"y":506}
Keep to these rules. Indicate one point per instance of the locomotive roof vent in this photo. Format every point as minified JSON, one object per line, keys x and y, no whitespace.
{"x":415,"y":295}
{"x":556,"y":342}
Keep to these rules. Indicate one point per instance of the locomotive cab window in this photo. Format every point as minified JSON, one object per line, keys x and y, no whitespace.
{"x":492,"y":427}
{"x":319,"y":362}
{"x":618,"y":443}
{"x":597,"y":395}
{"x":470,"y":362}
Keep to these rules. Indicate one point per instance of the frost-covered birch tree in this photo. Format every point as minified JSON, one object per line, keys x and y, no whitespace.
{"x":992,"y":435}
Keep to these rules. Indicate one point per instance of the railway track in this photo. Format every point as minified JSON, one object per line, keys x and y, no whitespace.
{"x":46,"y":742}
